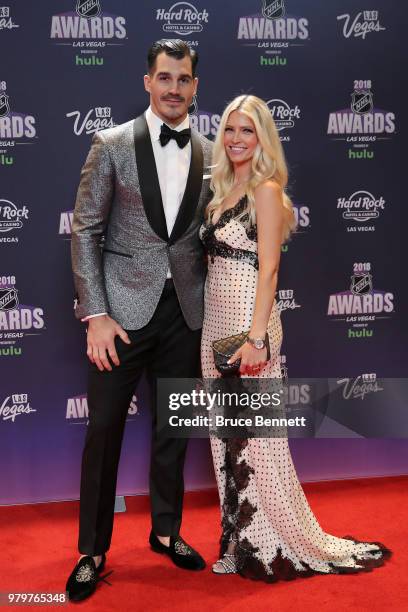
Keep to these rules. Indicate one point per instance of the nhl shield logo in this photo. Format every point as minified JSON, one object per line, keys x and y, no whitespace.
{"x":361,"y":284}
{"x":361,"y":102}
{"x":193,"y":108}
{"x":274,"y":9}
{"x":88,"y":8}
{"x":4,"y":105}
{"x":8,"y":299}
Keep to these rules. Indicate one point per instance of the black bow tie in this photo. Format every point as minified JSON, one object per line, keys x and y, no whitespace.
{"x":181,"y":137}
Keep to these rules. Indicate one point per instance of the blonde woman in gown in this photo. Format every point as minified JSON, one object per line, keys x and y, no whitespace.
{"x":269,"y":531}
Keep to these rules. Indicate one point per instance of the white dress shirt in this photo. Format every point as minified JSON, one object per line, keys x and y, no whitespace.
{"x":173,"y":165}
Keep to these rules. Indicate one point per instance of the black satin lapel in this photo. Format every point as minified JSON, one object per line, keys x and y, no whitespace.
{"x":192,"y":192}
{"x":148,"y":179}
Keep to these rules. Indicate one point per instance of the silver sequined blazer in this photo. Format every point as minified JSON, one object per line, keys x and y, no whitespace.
{"x":120,"y":247}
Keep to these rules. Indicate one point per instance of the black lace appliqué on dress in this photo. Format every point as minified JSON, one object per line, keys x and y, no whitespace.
{"x":237,"y":515}
{"x":215,"y":247}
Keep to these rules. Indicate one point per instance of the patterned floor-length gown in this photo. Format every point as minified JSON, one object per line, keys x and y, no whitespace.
{"x":263,"y":506}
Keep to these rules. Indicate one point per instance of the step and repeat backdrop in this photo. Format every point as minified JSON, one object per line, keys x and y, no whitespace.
{"x":332,"y":74}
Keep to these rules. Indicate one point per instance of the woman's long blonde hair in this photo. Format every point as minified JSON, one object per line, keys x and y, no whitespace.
{"x":268,"y":161}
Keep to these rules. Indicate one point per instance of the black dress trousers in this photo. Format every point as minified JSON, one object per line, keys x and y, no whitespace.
{"x":166,"y":347}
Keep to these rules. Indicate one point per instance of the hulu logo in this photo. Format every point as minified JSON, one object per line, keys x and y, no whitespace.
{"x":361,"y":333}
{"x":10,"y":351}
{"x":88,"y":61}
{"x":360,"y":154}
{"x":6,"y":160}
{"x":272,"y":61}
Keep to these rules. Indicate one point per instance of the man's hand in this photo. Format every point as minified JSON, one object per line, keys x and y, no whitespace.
{"x":102,"y":331}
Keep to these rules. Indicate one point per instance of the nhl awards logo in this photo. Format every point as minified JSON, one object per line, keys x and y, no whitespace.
{"x":88,"y":8}
{"x":274,"y":9}
{"x":91,"y":31}
{"x":65,"y":224}
{"x":193,"y":108}
{"x":77,"y":411}
{"x":362,"y":124}
{"x":361,"y":304}
{"x":302,"y":217}
{"x":15,"y":127}
{"x":361,"y":283}
{"x":205,"y":122}
{"x":362,"y":208}
{"x":16,"y":320}
{"x":297,"y":393}
{"x":361,"y":102}
{"x":4,"y":105}
{"x":8,"y":298}
{"x":5,"y":160}
{"x":273,"y":31}
{"x":283,"y":368}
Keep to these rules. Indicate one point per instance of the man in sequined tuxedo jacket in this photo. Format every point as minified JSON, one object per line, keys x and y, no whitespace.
{"x":144,"y":187}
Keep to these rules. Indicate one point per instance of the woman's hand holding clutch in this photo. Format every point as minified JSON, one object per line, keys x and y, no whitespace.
{"x":252,"y":359}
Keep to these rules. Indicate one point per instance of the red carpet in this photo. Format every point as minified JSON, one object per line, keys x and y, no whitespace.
{"x":38,"y":552}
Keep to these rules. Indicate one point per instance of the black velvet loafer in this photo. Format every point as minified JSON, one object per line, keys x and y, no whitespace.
{"x":179,"y":552}
{"x":84,"y":578}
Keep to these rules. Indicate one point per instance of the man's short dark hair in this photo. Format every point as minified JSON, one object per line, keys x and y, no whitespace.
{"x":174,"y":47}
